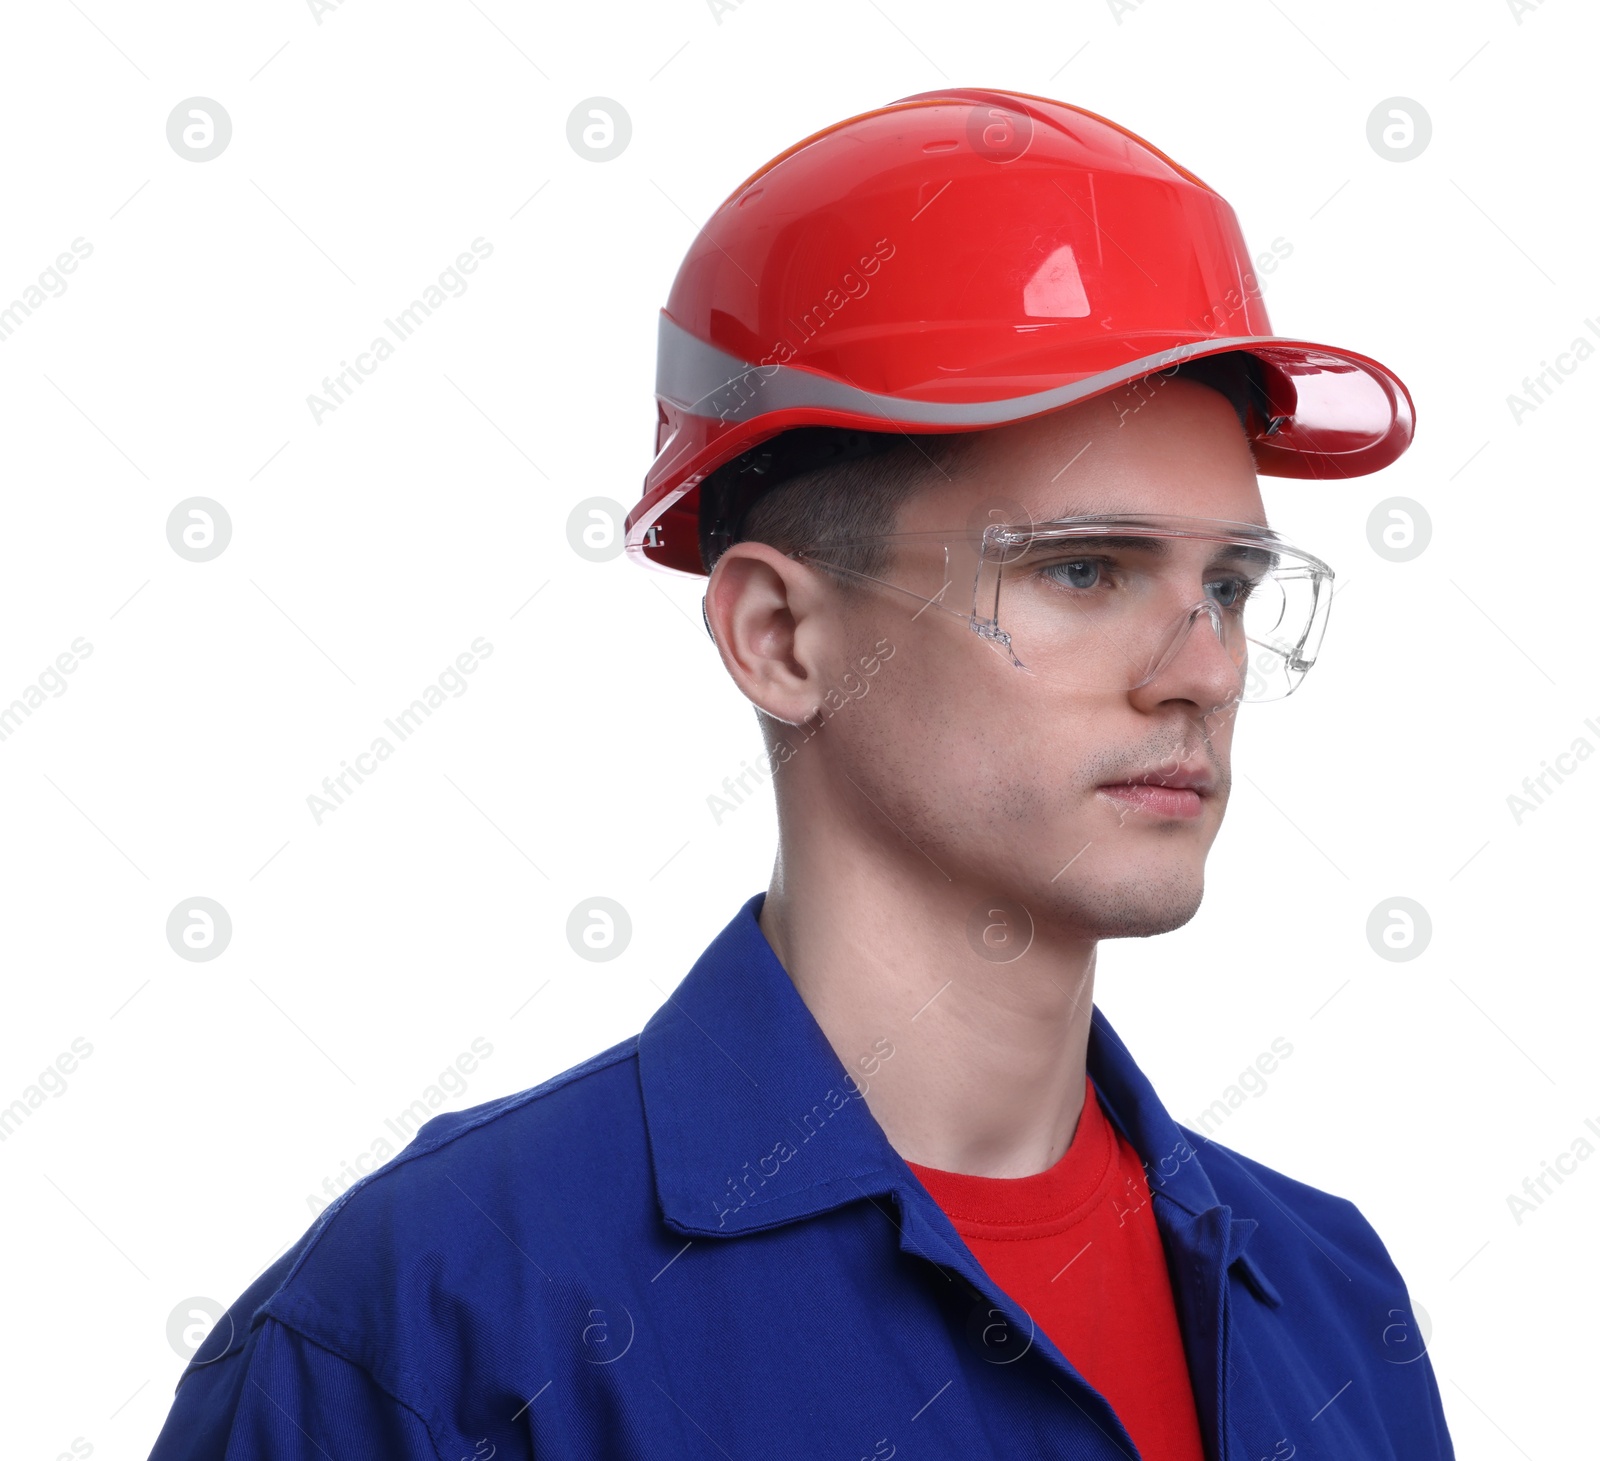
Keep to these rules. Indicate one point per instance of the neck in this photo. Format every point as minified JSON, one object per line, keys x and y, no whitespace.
{"x":986,"y":1074}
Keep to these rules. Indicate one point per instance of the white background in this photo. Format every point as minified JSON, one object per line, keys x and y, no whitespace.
{"x":368,"y":150}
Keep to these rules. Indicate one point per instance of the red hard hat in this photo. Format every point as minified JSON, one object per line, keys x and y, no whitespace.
{"x":964,"y":259}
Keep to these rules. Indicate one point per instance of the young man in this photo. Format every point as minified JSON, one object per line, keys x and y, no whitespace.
{"x":961,"y":407}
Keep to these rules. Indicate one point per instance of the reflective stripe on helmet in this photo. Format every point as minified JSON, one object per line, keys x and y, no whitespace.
{"x":708,"y":382}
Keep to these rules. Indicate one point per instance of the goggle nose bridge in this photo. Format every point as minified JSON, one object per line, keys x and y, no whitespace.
{"x":1178,"y":635}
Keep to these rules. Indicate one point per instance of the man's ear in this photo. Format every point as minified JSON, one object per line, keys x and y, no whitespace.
{"x":776,"y":626}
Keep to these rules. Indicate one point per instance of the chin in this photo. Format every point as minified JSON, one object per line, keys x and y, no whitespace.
{"x":1135,"y":907}
{"x":1141,"y":922}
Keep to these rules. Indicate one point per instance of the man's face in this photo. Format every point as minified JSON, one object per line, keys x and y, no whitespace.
{"x":1002,"y":778}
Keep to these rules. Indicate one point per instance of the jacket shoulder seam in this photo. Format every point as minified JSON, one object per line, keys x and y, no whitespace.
{"x":340,"y":1348}
{"x":593,"y":1065}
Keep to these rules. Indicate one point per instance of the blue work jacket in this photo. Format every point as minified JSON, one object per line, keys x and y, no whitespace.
{"x":700,"y":1244}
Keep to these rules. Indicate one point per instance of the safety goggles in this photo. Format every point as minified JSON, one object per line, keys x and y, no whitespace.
{"x":1104,"y":603}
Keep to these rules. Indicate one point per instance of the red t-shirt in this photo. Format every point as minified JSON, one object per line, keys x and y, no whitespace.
{"x":1077,"y":1247}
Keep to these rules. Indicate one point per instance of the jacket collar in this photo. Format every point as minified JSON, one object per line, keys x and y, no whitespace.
{"x":755,"y":1121}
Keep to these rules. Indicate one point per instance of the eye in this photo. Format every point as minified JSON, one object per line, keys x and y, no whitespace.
{"x":1231,"y":593}
{"x":1079,"y":573}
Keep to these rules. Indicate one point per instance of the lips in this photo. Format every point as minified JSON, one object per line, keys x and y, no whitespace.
{"x":1160,"y":801}
{"x":1176,"y":793}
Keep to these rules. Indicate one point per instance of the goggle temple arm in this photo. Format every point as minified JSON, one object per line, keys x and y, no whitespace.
{"x":986,"y":628}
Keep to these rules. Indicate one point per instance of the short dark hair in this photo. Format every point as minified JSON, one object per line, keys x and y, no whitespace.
{"x":818,"y":484}
{"x":832,"y":484}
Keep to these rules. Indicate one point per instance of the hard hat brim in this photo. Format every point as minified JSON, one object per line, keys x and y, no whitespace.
{"x":1330,"y":414}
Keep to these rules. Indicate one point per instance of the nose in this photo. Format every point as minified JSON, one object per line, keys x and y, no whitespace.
{"x":1193,"y":663}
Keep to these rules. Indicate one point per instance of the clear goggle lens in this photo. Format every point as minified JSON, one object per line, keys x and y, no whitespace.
{"x":1106,"y":603}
